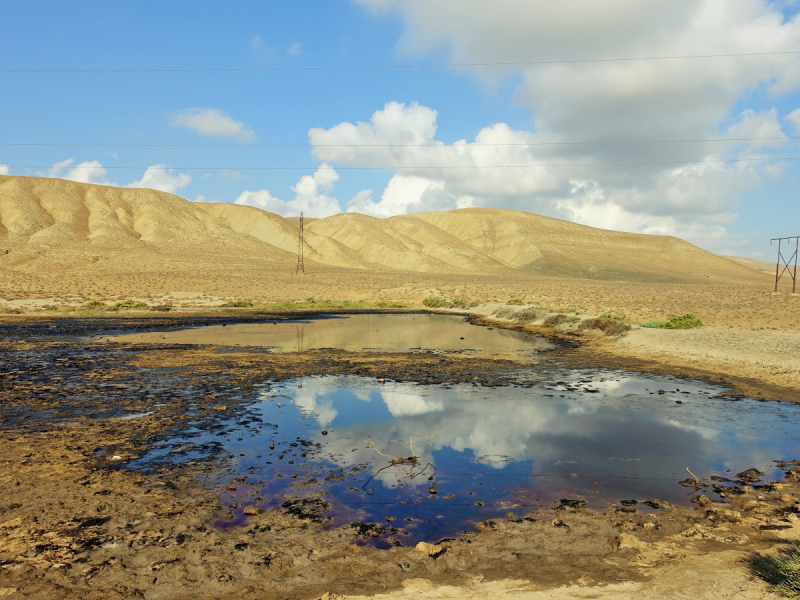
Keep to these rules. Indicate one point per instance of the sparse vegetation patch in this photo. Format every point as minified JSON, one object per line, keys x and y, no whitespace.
{"x":687,"y":321}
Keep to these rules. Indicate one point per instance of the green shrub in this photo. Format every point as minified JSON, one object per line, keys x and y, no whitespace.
{"x":653,"y":324}
{"x":238,"y":304}
{"x":781,"y":571}
{"x":573,"y":319}
{"x":436,"y":303}
{"x":687,"y":321}
{"x":94,"y":305}
{"x":515,"y":302}
{"x":612,"y":317}
{"x":131,"y":305}
{"x":789,"y":570}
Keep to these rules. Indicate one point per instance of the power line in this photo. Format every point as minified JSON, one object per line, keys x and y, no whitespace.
{"x":441,"y":145}
{"x":420,"y":167}
{"x":408,"y":66}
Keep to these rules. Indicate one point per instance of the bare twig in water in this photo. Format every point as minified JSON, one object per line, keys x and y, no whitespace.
{"x":371,"y":444}
{"x":395,"y":460}
{"x":697,"y":481}
{"x":411,"y":440}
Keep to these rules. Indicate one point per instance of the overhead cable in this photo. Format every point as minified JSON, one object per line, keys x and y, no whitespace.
{"x":439,"y":145}
{"x":407,"y":66}
{"x":419,"y":167}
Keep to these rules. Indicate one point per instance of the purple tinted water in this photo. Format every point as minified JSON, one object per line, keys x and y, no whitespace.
{"x":595,"y":436}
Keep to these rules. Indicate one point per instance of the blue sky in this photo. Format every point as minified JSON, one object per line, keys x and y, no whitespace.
{"x":732,"y":208}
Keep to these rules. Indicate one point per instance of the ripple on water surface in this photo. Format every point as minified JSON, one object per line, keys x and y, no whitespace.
{"x":597,"y":437}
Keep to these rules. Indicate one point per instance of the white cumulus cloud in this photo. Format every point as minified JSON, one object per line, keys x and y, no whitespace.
{"x":159,"y":177}
{"x":295,"y":50}
{"x":595,"y":102}
{"x":4,"y":170}
{"x":312,"y":196}
{"x":212,"y":122}
{"x":89,"y":171}
{"x":794,"y":118}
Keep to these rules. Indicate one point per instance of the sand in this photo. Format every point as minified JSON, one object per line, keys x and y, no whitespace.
{"x":64,"y":243}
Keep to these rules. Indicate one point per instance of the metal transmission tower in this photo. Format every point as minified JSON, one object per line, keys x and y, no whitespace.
{"x":301,"y":268}
{"x":790,"y":264}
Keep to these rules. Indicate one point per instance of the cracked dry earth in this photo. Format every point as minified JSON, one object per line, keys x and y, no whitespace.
{"x":74,"y":523}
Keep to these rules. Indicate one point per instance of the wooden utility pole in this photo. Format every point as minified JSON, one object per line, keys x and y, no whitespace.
{"x":301,"y":268}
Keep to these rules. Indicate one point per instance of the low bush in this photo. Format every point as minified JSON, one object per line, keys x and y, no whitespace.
{"x":131,"y":305}
{"x":607,"y":326}
{"x":554,"y":320}
{"x":612,"y":317}
{"x":515,"y":302}
{"x":94,"y":305}
{"x":687,"y":321}
{"x":436,"y":303}
{"x":238,"y":304}
{"x":782,"y":571}
{"x":653,"y":324}
{"x":573,"y":319}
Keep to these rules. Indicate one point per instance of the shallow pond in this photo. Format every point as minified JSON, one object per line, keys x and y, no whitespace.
{"x":361,"y":332}
{"x":598,"y":437}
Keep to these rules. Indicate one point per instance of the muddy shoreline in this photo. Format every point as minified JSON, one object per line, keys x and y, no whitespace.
{"x":74,"y":524}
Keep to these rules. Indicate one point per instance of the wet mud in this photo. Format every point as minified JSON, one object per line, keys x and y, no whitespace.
{"x":77,"y":520}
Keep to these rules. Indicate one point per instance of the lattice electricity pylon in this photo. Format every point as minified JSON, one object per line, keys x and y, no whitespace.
{"x":790,"y":265}
{"x":301,"y":268}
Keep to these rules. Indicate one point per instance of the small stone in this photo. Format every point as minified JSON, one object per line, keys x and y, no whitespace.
{"x":231,"y":488}
{"x":702,"y":500}
{"x":390,"y":519}
{"x":272,"y":446}
{"x":432,"y":550}
{"x":750,"y":475}
{"x":626,"y":540}
{"x":381,"y":380}
{"x":432,"y":490}
{"x":324,"y":432}
{"x":558,"y":523}
{"x":479,"y":503}
{"x":649,"y":525}
{"x":223,"y":407}
{"x":294,"y":475}
{"x":251,"y":511}
{"x":733,"y":516}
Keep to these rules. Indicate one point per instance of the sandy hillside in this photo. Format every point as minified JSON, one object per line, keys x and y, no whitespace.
{"x":764,"y":266}
{"x":51,"y":225}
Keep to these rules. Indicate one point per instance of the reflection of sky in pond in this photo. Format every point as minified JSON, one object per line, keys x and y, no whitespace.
{"x":411,"y":332}
{"x":596,"y":436}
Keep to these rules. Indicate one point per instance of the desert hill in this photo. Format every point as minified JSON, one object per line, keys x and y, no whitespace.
{"x":55,"y":226}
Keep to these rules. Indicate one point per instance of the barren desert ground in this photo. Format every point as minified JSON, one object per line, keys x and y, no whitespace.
{"x":117,"y":443}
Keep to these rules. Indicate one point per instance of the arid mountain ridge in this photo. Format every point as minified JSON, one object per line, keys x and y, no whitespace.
{"x":52,"y":225}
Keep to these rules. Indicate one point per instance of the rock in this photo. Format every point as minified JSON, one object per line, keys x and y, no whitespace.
{"x":733,"y":516}
{"x":793,"y":474}
{"x":788,"y":498}
{"x":702,"y":500}
{"x":626,"y":540}
{"x":750,"y":475}
{"x":272,"y":446}
{"x":558,"y":523}
{"x":648,"y":525}
{"x":628,"y":502}
{"x":692,"y":483}
{"x":231,"y":488}
{"x":219,"y":408}
{"x":251,"y":511}
{"x":381,"y":380}
{"x":432,"y":490}
{"x":570,"y":504}
{"x":432,"y":550}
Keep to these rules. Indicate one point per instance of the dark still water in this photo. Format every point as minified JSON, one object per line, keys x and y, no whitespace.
{"x":599,"y":436}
